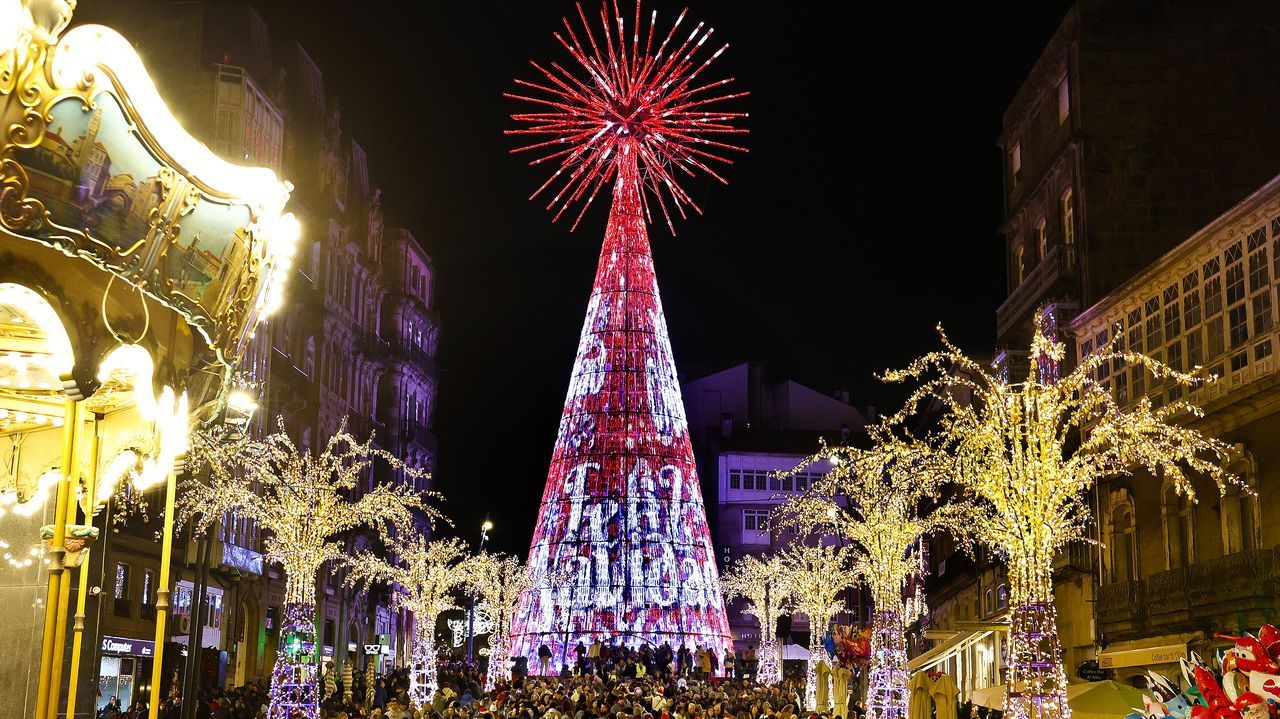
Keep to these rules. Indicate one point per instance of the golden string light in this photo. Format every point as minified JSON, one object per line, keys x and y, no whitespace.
{"x":499,"y":580}
{"x":1017,"y":451}
{"x":816,"y":575}
{"x":301,"y":500}
{"x":877,"y":499}
{"x":761,"y":582}
{"x":425,"y":574}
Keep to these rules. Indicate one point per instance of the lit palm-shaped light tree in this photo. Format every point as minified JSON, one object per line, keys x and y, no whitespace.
{"x":301,"y":501}
{"x":762,"y":583}
{"x":816,"y":575}
{"x":499,"y":580}
{"x":877,"y":499}
{"x":1026,"y":453}
{"x":425,"y":574}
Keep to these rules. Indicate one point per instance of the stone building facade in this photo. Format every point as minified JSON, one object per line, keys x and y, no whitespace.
{"x":1174,"y":571}
{"x":355,"y":340}
{"x":1138,"y":124}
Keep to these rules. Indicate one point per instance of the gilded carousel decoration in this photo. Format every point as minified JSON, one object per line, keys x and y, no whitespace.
{"x":135,"y":265}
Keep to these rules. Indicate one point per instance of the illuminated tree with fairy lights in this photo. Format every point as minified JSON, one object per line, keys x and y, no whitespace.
{"x":878,"y":499}
{"x":301,"y":501}
{"x":1027,"y":453}
{"x":761,"y":582}
{"x":499,"y":580}
{"x":816,"y":575}
{"x":622,"y":518}
{"x":425,"y":575}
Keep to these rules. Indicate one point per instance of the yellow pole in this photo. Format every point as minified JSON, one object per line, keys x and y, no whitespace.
{"x":64,"y":583}
{"x":162,"y":594}
{"x":55,"y":559}
{"x":90,"y":504}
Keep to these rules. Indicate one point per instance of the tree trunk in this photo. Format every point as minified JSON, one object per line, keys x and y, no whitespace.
{"x":498,"y":669}
{"x":770,"y":659}
{"x":887,"y":690}
{"x":422,"y":675}
{"x":1036,"y":687}
{"x":295,"y":687}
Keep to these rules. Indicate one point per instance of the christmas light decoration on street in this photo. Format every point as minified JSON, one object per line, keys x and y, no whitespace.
{"x":622,"y":512}
{"x":816,"y":575}
{"x":425,"y":575}
{"x":499,"y":581}
{"x":1017,"y":452}
{"x":762,"y":583}
{"x":877,"y":499}
{"x":301,"y":501}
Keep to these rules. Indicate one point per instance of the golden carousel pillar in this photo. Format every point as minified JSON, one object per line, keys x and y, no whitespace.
{"x":89,"y":504}
{"x":162,"y":594}
{"x":206,"y":246}
{"x":55,"y":632}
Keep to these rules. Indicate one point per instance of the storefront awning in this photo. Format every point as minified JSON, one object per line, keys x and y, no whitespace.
{"x":956,"y":643}
{"x":1166,"y":654}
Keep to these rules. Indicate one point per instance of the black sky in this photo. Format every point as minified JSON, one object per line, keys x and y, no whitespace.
{"x":865,"y":213}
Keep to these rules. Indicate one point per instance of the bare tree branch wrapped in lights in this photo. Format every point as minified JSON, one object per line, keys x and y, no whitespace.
{"x":499,"y":580}
{"x":816,"y":575}
{"x":762,"y":583}
{"x":1018,"y":452}
{"x":875,"y":498}
{"x":301,"y":501}
{"x":426,"y":574}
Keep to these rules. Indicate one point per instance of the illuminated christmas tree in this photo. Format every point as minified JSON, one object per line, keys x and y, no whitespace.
{"x":622,"y":520}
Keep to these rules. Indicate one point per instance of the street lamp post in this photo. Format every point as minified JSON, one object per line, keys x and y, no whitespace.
{"x":471,"y":610}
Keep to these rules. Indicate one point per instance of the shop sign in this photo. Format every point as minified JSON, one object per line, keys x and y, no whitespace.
{"x":326,"y":651}
{"x":373,"y":649}
{"x":1091,"y":672}
{"x":1142,"y":657}
{"x":124,"y":645}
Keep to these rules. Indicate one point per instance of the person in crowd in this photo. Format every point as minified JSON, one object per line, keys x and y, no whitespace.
{"x":544,"y":659}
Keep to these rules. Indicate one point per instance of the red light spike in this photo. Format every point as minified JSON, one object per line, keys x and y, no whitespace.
{"x":614,"y":70}
{"x":595,"y":49}
{"x":623,"y":98}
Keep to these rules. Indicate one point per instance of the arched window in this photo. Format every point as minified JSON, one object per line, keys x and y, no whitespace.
{"x":1042,"y":239}
{"x":1178,"y":514}
{"x":1002,"y":596}
{"x":1069,"y":226}
{"x":1123,"y":544}
{"x":1019,"y":263}
{"x":1241,"y":516}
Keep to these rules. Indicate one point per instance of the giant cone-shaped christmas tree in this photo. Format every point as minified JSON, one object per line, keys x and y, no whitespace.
{"x":621,"y":551}
{"x":622,"y":536}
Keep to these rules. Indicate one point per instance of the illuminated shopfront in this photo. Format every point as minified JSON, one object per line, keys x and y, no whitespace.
{"x":124,"y":669}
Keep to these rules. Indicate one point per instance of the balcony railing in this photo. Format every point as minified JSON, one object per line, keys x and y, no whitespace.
{"x":413,"y":431}
{"x":1077,"y":557}
{"x":1030,"y":292}
{"x":371,"y":345}
{"x":1167,"y":593}
{"x":1121,"y":602}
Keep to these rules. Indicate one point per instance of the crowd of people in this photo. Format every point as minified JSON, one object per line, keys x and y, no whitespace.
{"x":602,"y":682}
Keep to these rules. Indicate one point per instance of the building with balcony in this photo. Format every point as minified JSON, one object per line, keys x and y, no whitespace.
{"x":355,"y":339}
{"x":1131,"y":130}
{"x":1174,"y":571}
{"x":744,"y":429}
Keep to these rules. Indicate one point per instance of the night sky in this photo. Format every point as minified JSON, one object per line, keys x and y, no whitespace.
{"x":865,"y":213}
